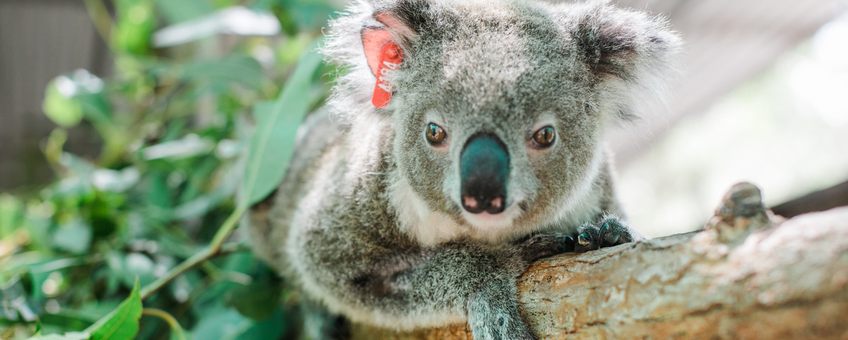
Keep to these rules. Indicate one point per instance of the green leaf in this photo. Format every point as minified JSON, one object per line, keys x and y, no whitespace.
{"x":272,"y":144}
{"x":221,"y":324}
{"x":312,"y":14}
{"x":37,"y":327}
{"x":136,"y":20}
{"x":68,"y":320}
{"x":67,"y":336}
{"x":74,"y":237}
{"x":10,"y":214}
{"x":68,"y":98}
{"x":179,"y":11}
{"x":179,"y":334}
{"x":140,"y":267}
{"x":272,"y":328}
{"x":61,"y":108}
{"x":238,"y":68}
{"x":122,"y":323}
{"x":96,"y":108}
{"x":257,"y":301}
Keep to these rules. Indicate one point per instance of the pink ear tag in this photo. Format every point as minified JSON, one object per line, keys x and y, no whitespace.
{"x":390,"y":58}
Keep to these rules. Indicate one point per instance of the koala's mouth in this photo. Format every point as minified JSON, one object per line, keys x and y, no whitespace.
{"x":487,"y":220}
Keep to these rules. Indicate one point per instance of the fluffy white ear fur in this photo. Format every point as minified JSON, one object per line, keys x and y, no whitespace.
{"x":373,"y":40}
{"x":624,"y":43}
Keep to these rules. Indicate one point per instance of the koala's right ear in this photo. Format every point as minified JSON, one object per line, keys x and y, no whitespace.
{"x":375,"y":38}
{"x":384,"y":50}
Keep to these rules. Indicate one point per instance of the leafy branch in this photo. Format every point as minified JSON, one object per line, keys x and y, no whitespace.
{"x":204,"y":255}
{"x":271,"y":149}
{"x":173,"y":169}
{"x":272,"y":146}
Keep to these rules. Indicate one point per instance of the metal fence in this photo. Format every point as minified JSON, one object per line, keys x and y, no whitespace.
{"x":40,"y":39}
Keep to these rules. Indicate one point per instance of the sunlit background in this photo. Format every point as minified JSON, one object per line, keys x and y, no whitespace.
{"x":785,"y":130}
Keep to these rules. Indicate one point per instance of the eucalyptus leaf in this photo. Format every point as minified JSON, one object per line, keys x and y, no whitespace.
{"x":69,"y":96}
{"x":61,"y":108}
{"x":68,"y":320}
{"x":67,"y":336}
{"x":220,"y":325}
{"x":78,"y":165}
{"x":122,"y":323}
{"x":96,"y":108}
{"x":257,"y":301}
{"x":274,"y":327}
{"x":178,"y":333}
{"x":173,"y":141}
{"x":10,"y":214}
{"x":136,"y":20}
{"x":37,"y":326}
{"x":272,"y":144}
{"x":189,"y":146}
{"x":311,"y":14}
{"x":238,"y":68}
{"x":231,"y":20}
{"x":74,"y":237}
{"x":179,"y":11}
{"x":139,"y":266}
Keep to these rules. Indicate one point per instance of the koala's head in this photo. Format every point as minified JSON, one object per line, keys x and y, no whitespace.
{"x":498,"y":107}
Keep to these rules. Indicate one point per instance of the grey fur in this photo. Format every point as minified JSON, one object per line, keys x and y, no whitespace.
{"x":368,"y":221}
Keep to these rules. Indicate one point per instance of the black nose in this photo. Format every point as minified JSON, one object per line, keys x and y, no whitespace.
{"x":484,"y":171}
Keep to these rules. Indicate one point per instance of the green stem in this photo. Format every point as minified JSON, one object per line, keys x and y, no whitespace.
{"x":229,"y":225}
{"x":207,"y":253}
{"x":100,"y":16}
{"x":175,"y":325}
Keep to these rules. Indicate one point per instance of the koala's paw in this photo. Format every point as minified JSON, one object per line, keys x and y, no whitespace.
{"x":608,"y":232}
{"x":501,"y":327}
{"x":544,"y":245}
{"x":493,"y":313}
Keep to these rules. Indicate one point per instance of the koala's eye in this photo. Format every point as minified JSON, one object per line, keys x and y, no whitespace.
{"x":435,"y":134}
{"x":544,"y":137}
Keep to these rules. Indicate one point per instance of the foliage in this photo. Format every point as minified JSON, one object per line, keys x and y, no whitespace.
{"x":150,"y":221}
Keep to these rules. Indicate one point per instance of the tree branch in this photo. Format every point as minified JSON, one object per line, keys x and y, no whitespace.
{"x":747,"y":275}
{"x":835,"y":196}
{"x":212,"y":250}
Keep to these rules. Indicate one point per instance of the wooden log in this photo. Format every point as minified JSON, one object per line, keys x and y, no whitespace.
{"x":747,"y":275}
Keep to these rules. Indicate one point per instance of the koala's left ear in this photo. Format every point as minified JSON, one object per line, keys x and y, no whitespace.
{"x":624,"y":43}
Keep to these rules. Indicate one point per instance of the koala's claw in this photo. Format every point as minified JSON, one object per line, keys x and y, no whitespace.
{"x":611,"y":232}
{"x":545,"y":245}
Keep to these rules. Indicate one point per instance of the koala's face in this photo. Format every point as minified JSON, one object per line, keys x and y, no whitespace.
{"x":499,"y":106}
{"x":497,"y":121}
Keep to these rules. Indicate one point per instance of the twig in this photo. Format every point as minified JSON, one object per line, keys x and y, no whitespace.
{"x":213,"y":249}
{"x":175,"y":325}
{"x":101,"y":19}
{"x":229,"y":248}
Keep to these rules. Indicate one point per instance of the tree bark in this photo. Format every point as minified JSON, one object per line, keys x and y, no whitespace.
{"x":747,"y":275}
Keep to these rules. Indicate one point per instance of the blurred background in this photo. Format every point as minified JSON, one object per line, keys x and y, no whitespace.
{"x":124,"y":125}
{"x":759,"y":100}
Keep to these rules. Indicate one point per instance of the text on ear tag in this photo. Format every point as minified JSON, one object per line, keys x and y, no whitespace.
{"x":390,"y":58}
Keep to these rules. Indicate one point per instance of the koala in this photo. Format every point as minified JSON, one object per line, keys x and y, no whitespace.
{"x":462,"y":142}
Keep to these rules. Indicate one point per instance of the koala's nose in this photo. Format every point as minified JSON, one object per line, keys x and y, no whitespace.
{"x":484,"y":171}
